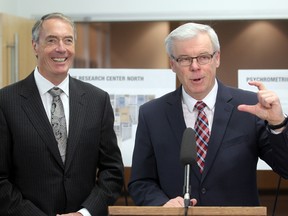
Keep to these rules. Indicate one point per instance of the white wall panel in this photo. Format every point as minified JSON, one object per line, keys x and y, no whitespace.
{"x":137,"y":10}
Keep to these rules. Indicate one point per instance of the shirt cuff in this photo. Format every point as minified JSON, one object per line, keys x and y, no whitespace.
{"x":84,"y":212}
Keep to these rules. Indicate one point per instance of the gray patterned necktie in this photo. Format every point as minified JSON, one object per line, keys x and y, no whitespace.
{"x":58,"y":121}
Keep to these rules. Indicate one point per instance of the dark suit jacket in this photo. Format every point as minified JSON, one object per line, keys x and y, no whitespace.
{"x":33,"y":179}
{"x":237,"y":140}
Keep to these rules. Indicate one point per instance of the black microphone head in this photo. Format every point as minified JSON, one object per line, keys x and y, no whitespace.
{"x":188,"y":152}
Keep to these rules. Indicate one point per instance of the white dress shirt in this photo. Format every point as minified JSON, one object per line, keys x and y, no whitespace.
{"x":190,"y":114}
{"x":44,"y":86}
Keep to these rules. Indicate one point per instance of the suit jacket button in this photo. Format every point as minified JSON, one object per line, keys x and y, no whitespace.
{"x":203,"y":190}
{"x":66,"y":177}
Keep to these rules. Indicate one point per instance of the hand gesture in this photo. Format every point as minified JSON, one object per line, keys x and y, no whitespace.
{"x":268,"y":107}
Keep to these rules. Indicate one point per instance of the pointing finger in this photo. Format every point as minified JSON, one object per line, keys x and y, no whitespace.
{"x":259,"y":85}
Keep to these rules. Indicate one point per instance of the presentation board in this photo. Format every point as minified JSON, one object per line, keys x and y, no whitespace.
{"x":275,"y":80}
{"x":128,"y":90}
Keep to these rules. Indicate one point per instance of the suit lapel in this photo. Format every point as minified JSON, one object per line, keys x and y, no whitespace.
{"x":177,"y":123}
{"x":223,"y":111}
{"x":175,"y":115}
{"x":34,"y":109}
{"x":77,"y":106}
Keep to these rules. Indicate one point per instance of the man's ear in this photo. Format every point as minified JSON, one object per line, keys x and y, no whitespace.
{"x":172,"y":64}
{"x":34,"y":45}
{"x":218,"y":59}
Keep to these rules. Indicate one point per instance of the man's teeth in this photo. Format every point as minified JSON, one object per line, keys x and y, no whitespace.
{"x":59,"y":59}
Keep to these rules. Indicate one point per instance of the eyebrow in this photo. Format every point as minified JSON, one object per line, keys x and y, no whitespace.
{"x":203,"y":53}
{"x":54,"y":36}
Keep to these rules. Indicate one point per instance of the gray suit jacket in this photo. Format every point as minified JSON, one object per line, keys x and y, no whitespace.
{"x":33,"y":179}
{"x":237,"y":140}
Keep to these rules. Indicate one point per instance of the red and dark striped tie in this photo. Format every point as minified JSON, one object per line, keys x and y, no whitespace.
{"x":201,"y":134}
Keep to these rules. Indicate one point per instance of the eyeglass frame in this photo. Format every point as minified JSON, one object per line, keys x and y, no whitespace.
{"x":196,"y":57}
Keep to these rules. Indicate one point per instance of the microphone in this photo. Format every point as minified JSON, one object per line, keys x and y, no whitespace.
{"x":188,"y":155}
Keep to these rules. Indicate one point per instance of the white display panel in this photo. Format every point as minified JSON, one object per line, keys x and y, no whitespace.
{"x":128,"y":90}
{"x":275,"y":80}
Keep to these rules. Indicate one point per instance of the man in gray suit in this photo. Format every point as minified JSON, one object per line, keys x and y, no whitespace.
{"x":34,"y":179}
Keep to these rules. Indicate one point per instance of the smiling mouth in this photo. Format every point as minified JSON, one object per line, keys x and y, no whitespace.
{"x":59,"y":59}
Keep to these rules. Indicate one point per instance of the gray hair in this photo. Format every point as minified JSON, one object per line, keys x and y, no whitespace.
{"x":38,"y":25}
{"x":188,"y":31}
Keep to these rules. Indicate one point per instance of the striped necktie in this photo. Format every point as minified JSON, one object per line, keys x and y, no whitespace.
{"x":201,"y":134}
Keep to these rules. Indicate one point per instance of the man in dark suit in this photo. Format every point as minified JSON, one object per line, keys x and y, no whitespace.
{"x":242,"y":127}
{"x":34,"y":179}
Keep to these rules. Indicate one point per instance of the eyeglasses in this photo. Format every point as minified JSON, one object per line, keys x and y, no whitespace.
{"x":188,"y":60}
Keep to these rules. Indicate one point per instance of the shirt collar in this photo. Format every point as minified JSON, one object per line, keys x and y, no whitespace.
{"x":209,"y":100}
{"x":45,"y":85}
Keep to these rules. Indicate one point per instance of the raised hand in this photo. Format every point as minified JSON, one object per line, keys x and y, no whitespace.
{"x":268,"y":107}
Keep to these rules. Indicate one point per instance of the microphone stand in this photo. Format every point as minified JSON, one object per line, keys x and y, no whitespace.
{"x":186,"y":188}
